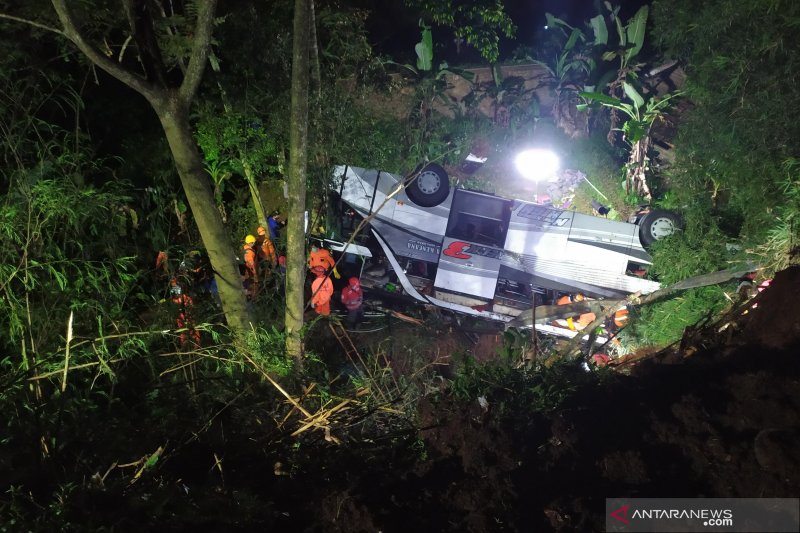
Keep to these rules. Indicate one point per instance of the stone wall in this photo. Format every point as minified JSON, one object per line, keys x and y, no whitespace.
{"x":533,"y":82}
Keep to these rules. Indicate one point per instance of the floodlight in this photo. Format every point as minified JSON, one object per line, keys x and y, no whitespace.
{"x":537,"y":164}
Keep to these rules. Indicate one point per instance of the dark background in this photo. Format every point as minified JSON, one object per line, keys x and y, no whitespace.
{"x":394,"y":30}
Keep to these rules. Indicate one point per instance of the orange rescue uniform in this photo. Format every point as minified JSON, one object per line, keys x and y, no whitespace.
{"x":321,"y":293}
{"x":266,"y":249}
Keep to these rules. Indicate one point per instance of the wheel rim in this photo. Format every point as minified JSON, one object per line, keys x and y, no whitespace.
{"x":428,"y":182}
{"x":662,"y":227}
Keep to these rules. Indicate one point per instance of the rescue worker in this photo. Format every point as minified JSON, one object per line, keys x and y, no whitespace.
{"x":582,"y":320}
{"x":274,"y":222}
{"x":617,"y":321}
{"x":321,"y":292}
{"x":250,"y":273}
{"x":621,"y":317}
{"x":162,"y":271}
{"x":569,"y":298}
{"x":265,"y":246}
{"x":352,"y":298}
{"x":162,"y":262}
{"x":320,"y":261}
{"x":184,"y":319}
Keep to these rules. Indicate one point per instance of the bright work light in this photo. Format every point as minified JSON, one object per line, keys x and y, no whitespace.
{"x":537,"y":164}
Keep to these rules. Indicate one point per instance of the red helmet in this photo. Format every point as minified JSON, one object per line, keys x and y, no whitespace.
{"x":354,"y":282}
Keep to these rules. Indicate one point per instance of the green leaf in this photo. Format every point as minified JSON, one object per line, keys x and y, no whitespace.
{"x":634,"y":130}
{"x":152,"y":460}
{"x":609,"y":56}
{"x":635,"y":32}
{"x":214,"y":61}
{"x":600,"y":30}
{"x":633,"y":94}
{"x":554,"y":22}
{"x":424,"y":50}
{"x":61,"y":279}
{"x":629,"y":109}
{"x":600,"y":97}
{"x":620,"y":32}
{"x":604,"y":80}
{"x":573,"y":38}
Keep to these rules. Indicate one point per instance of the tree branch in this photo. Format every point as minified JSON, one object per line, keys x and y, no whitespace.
{"x":32,"y":23}
{"x":127,"y":77}
{"x":200,"y":47}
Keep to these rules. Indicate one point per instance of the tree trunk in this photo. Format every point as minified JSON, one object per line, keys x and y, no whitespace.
{"x":175,"y":121}
{"x":172,"y":108}
{"x":638,"y":165}
{"x":255,"y":194}
{"x":296,"y":181}
{"x":316,"y":75}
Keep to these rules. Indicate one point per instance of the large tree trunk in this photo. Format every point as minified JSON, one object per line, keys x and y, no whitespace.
{"x":296,"y":181}
{"x":197,"y":186}
{"x":172,"y":108}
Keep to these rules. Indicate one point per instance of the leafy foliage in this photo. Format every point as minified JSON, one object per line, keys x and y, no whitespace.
{"x":519,"y":390}
{"x":267,"y":349}
{"x":663,"y":323}
{"x":479,"y":23}
{"x":741,"y":65}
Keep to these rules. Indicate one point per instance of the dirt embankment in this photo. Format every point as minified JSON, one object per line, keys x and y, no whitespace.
{"x":723,"y":423}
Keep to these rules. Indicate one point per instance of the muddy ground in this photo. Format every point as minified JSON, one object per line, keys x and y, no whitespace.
{"x":721,"y":422}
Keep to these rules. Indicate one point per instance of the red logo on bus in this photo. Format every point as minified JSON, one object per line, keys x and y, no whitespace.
{"x":456,"y":250}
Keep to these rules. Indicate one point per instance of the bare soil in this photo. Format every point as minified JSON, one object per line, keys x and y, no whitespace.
{"x":724,"y":422}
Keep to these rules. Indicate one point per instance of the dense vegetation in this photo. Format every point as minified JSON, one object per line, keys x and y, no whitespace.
{"x":97,"y":386}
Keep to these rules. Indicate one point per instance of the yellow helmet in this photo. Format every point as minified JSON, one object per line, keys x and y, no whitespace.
{"x":249,"y":239}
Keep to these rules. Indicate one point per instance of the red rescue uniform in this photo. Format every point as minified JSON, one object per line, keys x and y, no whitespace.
{"x":184,"y":319}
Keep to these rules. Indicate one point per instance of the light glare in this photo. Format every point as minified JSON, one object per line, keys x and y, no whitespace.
{"x":537,"y":164}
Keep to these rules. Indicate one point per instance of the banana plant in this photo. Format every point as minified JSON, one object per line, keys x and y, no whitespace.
{"x":630,"y":37}
{"x":641,"y":114}
{"x":431,"y":82}
{"x":630,"y":40}
{"x":569,"y":71}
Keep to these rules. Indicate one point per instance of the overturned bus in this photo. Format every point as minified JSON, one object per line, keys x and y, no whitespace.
{"x":484,"y":255}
